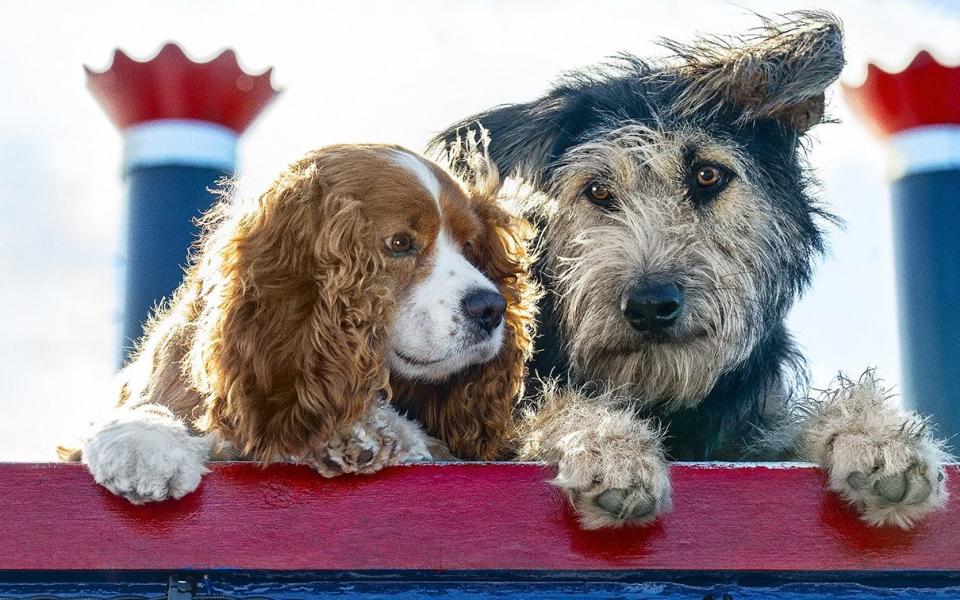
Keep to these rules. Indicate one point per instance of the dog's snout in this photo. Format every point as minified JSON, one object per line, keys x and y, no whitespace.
{"x":653,"y":306}
{"x":485,"y":308}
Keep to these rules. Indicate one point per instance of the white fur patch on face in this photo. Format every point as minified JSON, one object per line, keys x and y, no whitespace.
{"x":432,"y":337}
{"x":424,"y":175}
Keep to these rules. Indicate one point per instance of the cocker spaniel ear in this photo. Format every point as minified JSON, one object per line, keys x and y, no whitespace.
{"x":293,"y":314}
{"x":472,"y":412}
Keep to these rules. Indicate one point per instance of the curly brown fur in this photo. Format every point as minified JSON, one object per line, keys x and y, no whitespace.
{"x":290,"y":340}
{"x":284,"y":333}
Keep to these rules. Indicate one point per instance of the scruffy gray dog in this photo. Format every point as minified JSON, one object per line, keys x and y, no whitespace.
{"x":677,"y":230}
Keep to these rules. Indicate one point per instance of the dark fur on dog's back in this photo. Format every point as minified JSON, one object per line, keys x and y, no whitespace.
{"x":757,"y":94}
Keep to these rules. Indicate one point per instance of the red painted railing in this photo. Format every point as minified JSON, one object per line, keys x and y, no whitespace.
{"x":462,"y":516}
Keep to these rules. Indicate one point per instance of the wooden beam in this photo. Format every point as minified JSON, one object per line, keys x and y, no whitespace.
{"x":771,"y":518}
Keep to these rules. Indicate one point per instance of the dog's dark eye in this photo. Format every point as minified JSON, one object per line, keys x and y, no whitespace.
{"x":709,"y":176}
{"x":707,"y":180}
{"x":400,"y":244}
{"x":599,"y":194}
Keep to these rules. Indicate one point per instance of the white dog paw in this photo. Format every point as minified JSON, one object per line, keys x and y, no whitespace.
{"x":894,"y":479}
{"x":146,"y":457}
{"x":615,"y":474}
{"x":878,"y":457}
{"x":382,"y":438}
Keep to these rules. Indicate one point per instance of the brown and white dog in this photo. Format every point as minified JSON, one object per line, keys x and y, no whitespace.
{"x":364,"y":274}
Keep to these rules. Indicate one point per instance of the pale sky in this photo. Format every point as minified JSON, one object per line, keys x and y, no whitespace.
{"x":365,"y":72}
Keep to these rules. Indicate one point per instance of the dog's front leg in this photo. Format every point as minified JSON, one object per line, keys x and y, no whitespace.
{"x":145,"y":454}
{"x":381,"y":438}
{"x":611,"y":464}
{"x":879,"y":457}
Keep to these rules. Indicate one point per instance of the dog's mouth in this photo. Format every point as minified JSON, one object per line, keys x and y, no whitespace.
{"x":674,"y":337}
{"x":483,"y":350}
{"x":643,"y":340}
{"x":456,"y":360}
{"x":417,"y":361}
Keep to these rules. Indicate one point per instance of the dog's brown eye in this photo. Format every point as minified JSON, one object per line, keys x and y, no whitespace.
{"x":705,"y":181}
{"x":710,"y":176}
{"x":400,"y":243}
{"x":599,"y":194}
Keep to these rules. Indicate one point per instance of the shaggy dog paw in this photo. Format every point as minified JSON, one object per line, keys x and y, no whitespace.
{"x":382,"y":438}
{"x":894,"y":478}
{"x":878,"y":457}
{"x":146,"y":456}
{"x":615,"y":473}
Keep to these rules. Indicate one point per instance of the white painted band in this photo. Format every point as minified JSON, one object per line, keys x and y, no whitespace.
{"x":924,"y":149}
{"x":182,"y":142}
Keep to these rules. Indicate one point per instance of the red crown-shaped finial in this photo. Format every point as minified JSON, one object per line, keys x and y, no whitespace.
{"x":171,"y":86}
{"x":925,"y":93}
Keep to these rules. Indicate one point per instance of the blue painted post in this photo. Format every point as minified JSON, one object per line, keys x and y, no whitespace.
{"x":917,"y":112}
{"x":180,"y":121}
{"x":166,"y":192}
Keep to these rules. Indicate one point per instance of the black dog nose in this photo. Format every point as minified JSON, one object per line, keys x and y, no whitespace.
{"x":653,"y":306}
{"x":485,"y":308}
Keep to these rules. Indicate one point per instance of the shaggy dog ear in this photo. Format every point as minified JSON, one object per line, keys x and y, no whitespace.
{"x":292,"y":330}
{"x":778,"y":72}
{"x":527,"y":138}
{"x":472,"y":412}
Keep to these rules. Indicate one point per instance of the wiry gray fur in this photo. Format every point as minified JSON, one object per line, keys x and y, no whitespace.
{"x":723,"y":381}
{"x":780,"y":68}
